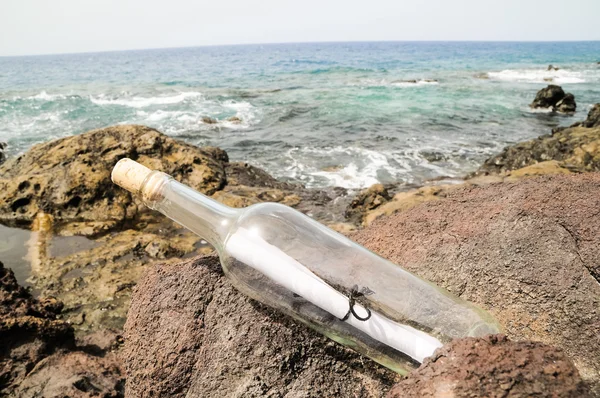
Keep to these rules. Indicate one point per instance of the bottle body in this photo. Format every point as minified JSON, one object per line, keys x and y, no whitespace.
{"x":286,"y":260}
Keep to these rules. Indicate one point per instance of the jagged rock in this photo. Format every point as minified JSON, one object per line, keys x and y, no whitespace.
{"x":2,"y":154}
{"x":367,"y":200}
{"x":555,"y":98}
{"x":575,"y":149}
{"x":567,"y":104}
{"x":593,"y":117}
{"x":528,"y":251}
{"x":552,"y":67}
{"x":69,"y":178}
{"x":39,"y":355}
{"x":493,"y":367}
{"x":209,"y":340}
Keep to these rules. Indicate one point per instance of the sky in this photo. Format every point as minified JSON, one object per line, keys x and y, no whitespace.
{"x":30,"y":27}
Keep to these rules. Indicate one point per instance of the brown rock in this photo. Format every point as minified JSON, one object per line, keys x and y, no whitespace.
{"x":69,"y":178}
{"x":527,"y":251}
{"x":494,"y":367}
{"x":365,"y":201}
{"x":2,"y":154}
{"x":575,"y":148}
{"x":209,"y":120}
{"x":209,"y":340}
{"x":593,"y":117}
{"x":39,"y":355}
{"x":234,"y":120}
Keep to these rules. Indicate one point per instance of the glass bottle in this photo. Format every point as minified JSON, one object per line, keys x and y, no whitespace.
{"x":286,"y":260}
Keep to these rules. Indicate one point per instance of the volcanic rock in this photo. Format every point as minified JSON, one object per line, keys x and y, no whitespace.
{"x":39,"y":355}
{"x":491,"y":367}
{"x":366,"y":200}
{"x":528,"y":251}
{"x":209,"y":340}
{"x":554,"y":97}
{"x":2,"y":154}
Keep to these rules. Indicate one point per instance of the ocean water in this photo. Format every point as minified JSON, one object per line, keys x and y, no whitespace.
{"x":332,"y":114}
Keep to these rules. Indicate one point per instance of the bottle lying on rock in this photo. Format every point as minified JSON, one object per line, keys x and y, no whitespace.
{"x":286,"y":260}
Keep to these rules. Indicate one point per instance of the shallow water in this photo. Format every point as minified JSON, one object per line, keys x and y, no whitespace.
{"x":340,"y":114}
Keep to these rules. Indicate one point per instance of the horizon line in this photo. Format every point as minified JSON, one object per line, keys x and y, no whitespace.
{"x":292,"y":43}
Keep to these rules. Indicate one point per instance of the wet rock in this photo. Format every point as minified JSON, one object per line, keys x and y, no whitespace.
{"x":593,"y":117}
{"x":69,"y":178}
{"x":367,"y":200}
{"x":234,"y":120}
{"x":552,"y":67}
{"x":576,"y":149}
{"x":209,"y":340}
{"x":2,"y":154}
{"x":528,"y":251}
{"x":209,"y":120}
{"x":494,"y":366}
{"x":39,"y":355}
{"x":555,"y":98}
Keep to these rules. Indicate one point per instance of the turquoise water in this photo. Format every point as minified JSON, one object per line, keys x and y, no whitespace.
{"x":322,"y":114}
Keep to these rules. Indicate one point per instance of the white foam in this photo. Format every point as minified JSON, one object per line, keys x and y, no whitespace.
{"x":362,"y":171}
{"x":418,"y":83}
{"x":44,"y":96}
{"x":560,"y":76}
{"x":395,"y":83}
{"x":143,"y":102}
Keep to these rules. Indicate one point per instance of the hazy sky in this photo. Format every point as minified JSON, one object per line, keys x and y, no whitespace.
{"x":59,"y":26}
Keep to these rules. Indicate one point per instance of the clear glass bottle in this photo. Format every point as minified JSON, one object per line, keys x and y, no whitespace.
{"x":285,"y":259}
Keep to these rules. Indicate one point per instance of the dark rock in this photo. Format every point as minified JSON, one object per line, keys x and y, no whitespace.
{"x":493,"y":366}
{"x":208,"y":340}
{"x":2,"y":154}
{"x":567,"y":104}
{"x":209,"y":120}
{"x":552,"y":67}
{"x":39,"y":355}
{"x":366,"y":200}
{"x":528,"y":251}
{"x":593,"y":117}
{"x":555,"y":98}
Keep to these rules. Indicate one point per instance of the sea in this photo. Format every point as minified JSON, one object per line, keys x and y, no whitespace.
{"x":322,"y":114}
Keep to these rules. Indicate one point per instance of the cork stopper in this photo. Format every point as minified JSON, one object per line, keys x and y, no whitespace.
{"x":129,"y":174}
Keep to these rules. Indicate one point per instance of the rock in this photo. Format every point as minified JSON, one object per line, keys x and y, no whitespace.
{"x":209,"y":340}
{"x":2,"y":154}
{"x":366,"y":200}
{"x":483,"y":76}
{"x":39,"y":355}
{"x":528,"y":251}
{"x":69,"y":178}
{"x":234,"y":120}
{"x":493,"y":366}
{"x":576,"y":149}
{"x":555,"y":98}
{"x":552,"y":67}
{"x":93,"y":276}
{"x":593,"y":117}
{"x":209,"y":120}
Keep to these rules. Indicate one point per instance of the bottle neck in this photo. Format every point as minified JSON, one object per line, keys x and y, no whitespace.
{"x":197,"y":212}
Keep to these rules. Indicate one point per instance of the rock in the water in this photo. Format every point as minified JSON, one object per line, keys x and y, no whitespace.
{"x":234,"y":120}
{"x":567,"y":104}
{"x":552,"y":67}
{"x":555,"y":98}
{"x":493,"y":366}
{"x":209,"y":340}
{"x":38,"y":352}
{"x":527,"y":251}
{"x":209,"y":120}
{"x":69,"y":178}
{"x":2,"y":154}
{"x":367,"y":200}
{"x":593,"y":117}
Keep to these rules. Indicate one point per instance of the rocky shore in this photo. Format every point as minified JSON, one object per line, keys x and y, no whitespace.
{"x":500,"y":240}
